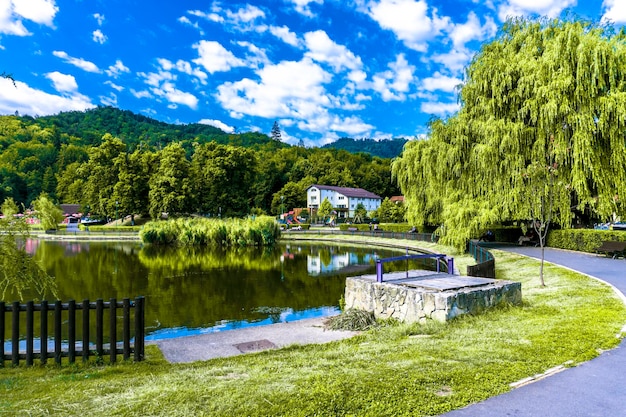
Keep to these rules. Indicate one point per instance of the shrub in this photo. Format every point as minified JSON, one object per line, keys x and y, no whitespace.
{"x":262,"y":230}
{"x":583,"y":240}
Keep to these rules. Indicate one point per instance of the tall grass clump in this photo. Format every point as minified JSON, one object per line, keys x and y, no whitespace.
{"x":257,"y":231}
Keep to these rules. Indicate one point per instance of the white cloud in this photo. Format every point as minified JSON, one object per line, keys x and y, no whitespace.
{"x":175,"y":96}
{"x":184,"y":67}
{"x":614,"y":11}
{"x":27,"y":100}
{"x":548,"y":8}
{"x":155,"y":79}
{"x":13,"y":12}
{"x":439,"y":82}
{"x":394,"y":83}
{"x":302,"y":6}
{"x":218,"y":124}
{"x":242,"y":19}
{"x":110,"y":100}
{"x":140,"y":94}
{"x":245,"y":15}
{"x":213,"y":17}
{"x":63,"y":83}
{"x":409,"y":20}
{"x":39,"y":11}
{"x":98,"y":37}
{"x":287,"y":89}
{"x":284,"y":34}
{"x":185,"y":21}
{"x":162,"y":85}
{"x":440,"y":109}
{"x":117,"y":69}
{"x":455,"y":60}
{"x":9,"y":23}
{"x":77,"y":62}
{"x":323,"y":50}
{"x":472,"y":30}
{"x":99,"y":18}
{"x":214,"y":57}
{"x":257,"y":56}
{"x":114,"y":86}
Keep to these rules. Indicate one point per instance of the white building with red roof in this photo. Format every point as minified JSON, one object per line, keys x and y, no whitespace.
{"x":343,"y":199}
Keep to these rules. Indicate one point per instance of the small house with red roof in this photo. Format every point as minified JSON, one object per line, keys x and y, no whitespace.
{"x":343,"y":199}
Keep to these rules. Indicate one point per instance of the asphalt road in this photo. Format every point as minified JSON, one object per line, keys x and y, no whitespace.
{"x":593,"y":389}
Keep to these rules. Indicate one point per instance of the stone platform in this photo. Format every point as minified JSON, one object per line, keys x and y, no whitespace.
{"x":418,"y":295}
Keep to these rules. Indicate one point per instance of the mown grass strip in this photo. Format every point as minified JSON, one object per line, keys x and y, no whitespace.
{"x":392,"y":370}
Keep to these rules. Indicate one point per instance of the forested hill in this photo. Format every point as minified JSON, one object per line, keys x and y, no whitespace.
{"x":134,"y":129}
{"x":388,"y":148}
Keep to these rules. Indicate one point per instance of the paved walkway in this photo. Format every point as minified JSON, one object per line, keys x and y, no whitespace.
{"x":593,"y":389}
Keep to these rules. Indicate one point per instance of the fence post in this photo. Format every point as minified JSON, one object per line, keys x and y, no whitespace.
{"x":126,"y":328}
{"x":43,"y":350}
{"x":58,"y":309}
{"x":99,"y":327}
{"x":30,"y":307}
{"x":379,"y":271}
{"x":15,"y":339}
{"x":71,"y":330}
{"x":139,"y":328}
{"x":451,"y":266}
{"x":113,"y":330}
{"x":85,"y":330}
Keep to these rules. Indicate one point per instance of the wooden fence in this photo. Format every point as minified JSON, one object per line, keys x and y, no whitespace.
{"x":65,"y":327}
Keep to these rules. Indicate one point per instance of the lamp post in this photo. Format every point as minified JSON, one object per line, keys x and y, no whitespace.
{"x":117,"y":216}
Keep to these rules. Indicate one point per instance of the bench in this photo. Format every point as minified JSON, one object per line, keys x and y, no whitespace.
{"x":353,"y":229}
{"x":612,"y":248}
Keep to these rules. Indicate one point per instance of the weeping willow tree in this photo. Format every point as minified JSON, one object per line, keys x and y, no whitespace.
{"x":540,"y":131}
{"x":19,"y":272}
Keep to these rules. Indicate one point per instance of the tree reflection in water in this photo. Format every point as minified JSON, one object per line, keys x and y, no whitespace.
{"x":192,"y":290}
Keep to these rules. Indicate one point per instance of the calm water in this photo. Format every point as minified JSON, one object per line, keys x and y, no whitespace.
{"x":199,"y":290}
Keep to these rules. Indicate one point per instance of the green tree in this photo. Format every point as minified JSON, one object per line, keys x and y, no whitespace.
{"x":9,"y":208}
{"x":18,"y":270}
{"x":169,"y":185}
{"x":131,"y":190}
{"x":360,"y":213}
{"x":102,"y":175}
{"x":291,"y":195}
{"x":540,"y":129}
{"x":325,"y":209}
{"x":275,"y":134}
{"x":223,"y":179}
{"x":390,"y":212}
{"x":49,"y":214}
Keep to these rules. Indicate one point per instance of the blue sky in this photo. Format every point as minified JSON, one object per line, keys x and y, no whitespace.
{"x":323,"y":69}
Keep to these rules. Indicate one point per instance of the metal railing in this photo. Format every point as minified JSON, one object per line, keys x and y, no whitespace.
{"x":449,"y":262}
{"x":485,"y":263}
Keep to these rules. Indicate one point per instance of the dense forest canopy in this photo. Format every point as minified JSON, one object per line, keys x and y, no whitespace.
{"x":540,"y":134}
{"x":385,"y":148}
{"x":114,"y":162}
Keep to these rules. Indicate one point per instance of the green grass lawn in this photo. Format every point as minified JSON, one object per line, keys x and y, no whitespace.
{"x":394,"y":370}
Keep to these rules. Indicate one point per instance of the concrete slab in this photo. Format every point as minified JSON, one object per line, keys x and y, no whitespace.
{"x":446,"y":284}
{"x":247,"y":340}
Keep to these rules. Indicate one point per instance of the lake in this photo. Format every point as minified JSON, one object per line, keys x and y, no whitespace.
{"x":199,"y":290}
